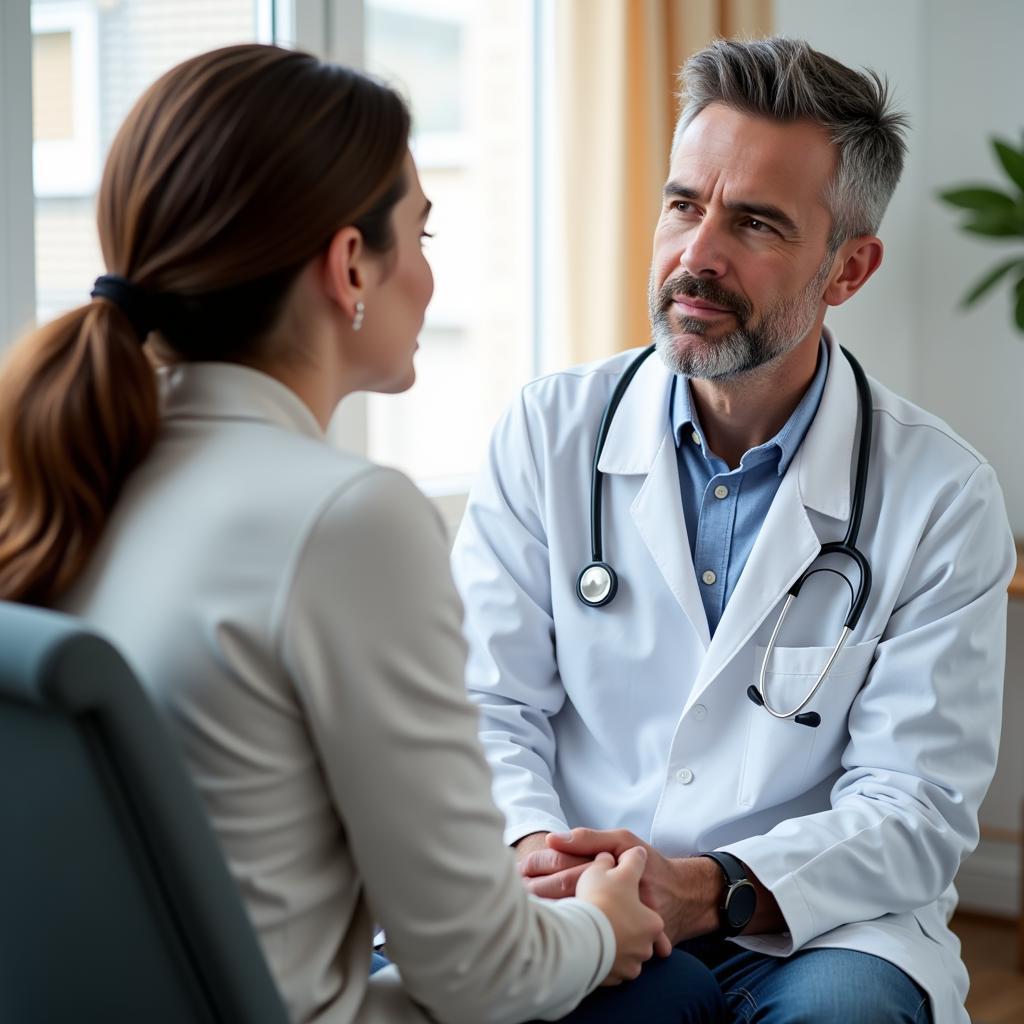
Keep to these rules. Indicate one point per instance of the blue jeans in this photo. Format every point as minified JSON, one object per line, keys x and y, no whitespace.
{"x":840,"y":986}
{"x":676,"y":990}
{"x":710,"y":982}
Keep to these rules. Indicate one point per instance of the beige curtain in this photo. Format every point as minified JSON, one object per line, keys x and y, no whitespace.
{"x":616,"y":78}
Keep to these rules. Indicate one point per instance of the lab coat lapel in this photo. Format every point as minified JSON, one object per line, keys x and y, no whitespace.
{"x":819,"y":478}
{"x":658,"y":514}
{"x":640,"y":441}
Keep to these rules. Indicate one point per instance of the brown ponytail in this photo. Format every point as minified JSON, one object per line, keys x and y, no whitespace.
{"x":230,"y":174}
{"x":78,"y":412}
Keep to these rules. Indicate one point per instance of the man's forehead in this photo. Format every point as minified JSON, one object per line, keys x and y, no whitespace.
{"x":772,"y":158}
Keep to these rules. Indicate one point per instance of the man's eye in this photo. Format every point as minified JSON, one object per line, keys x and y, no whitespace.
{"x":682,"y":206}
{"x":758,"y":225}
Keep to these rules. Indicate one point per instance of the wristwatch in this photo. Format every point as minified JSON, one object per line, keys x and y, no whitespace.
{"x":740,"y":899}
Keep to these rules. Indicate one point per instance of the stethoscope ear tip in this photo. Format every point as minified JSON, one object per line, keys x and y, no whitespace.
{"x":809,"y":718}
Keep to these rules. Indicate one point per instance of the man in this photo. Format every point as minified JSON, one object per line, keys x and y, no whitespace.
{"x":729,"y":463}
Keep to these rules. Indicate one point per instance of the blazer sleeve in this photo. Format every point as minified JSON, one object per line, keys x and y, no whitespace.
{"x":371,"y":635}
{"x":924,"y":734}
{"x":500,"y":561}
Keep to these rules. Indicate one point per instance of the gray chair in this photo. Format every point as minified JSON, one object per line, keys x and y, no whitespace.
{"x":115,"y":901}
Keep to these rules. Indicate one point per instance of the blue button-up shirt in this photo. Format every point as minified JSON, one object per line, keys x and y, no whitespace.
{"x":724,"y":508}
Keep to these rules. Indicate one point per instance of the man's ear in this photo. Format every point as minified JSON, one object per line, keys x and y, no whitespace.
{"x":344,"y":270}
{"x":856,"y":261}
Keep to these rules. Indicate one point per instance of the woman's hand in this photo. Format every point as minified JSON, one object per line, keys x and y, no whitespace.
{"x":615,"y":889}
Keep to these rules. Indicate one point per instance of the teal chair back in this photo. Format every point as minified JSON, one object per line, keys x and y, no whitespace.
{"x":115,"y":901}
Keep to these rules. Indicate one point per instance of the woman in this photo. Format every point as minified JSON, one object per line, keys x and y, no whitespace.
{"x":287,"y":605}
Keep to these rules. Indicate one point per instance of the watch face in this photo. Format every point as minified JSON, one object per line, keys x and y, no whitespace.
{"x":740,"y":904}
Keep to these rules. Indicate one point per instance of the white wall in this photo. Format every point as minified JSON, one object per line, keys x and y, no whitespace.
{"x":957,"y":70}
{"x":972,"y":363}
{"x":881,"y":324}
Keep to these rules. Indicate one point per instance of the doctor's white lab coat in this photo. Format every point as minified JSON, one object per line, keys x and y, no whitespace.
{"x":627,"y":716}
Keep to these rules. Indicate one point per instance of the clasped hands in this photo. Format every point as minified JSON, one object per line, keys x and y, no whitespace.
{"x":683,"y":891}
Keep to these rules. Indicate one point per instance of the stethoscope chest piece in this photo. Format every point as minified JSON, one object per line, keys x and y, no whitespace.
{"x":596,"y":584}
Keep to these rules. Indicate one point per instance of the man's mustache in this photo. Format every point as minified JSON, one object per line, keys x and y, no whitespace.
{"x":704,"y":289}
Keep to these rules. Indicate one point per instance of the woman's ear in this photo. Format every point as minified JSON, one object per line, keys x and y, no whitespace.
{"x":859,"y":258}
{"x":344,"y":270}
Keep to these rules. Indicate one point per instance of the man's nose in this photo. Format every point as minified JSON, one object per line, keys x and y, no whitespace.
{"x":703,"y":254}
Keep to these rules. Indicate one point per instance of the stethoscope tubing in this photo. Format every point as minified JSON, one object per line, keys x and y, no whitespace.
{"x":761,"y":688}
{"x":846,"y":547}
{"x":597,"y":582}
{"x":596,"y":476}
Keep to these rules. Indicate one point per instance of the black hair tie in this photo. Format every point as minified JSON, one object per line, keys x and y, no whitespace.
{"x":133,"y":301}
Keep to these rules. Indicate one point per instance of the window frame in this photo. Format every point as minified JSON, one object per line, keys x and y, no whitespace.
{"x":71,"y":167}
{"x":17,"y":207}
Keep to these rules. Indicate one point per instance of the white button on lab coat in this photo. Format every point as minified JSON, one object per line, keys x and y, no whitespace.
{"x":858,"y":827}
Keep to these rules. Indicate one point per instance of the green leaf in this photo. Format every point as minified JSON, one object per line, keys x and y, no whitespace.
{"x":994,"y":275}
{"x":1019,"y":312}
{"x":980,"y":199}
{"x":996,"y":224}
{"x":1012,"y":161}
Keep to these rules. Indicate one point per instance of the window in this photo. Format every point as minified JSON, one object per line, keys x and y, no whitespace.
{"x":467,"y":69}
{"x":91,"y":60}
{"x":65,"y":98}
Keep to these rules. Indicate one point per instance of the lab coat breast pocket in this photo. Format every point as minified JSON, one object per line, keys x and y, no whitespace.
{"x":782,"y":758}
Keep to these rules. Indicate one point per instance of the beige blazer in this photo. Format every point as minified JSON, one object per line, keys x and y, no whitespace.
{"x":290,"y":608}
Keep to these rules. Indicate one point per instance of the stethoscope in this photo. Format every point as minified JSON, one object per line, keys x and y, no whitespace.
{"x":597,"y":583}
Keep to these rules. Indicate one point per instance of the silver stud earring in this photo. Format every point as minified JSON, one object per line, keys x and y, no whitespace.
{"x":357,"y":320}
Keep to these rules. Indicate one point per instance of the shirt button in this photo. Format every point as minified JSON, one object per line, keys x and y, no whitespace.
{"x":700,"y":712}
{"x":696,"y":437}
{"x":709,"y":577}
{"x":684,"y":776}
{"x":721,"y":491}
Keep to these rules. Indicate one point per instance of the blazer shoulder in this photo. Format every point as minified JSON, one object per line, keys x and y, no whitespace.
{"x":280,"y":461}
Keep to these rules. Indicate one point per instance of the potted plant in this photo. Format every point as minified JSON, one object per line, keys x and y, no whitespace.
{"x":995,"y":213}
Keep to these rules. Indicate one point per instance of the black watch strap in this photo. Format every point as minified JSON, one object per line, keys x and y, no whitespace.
{"x":740,"y":898}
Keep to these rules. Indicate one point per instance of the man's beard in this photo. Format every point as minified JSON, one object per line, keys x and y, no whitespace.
{"x":748,"y":345}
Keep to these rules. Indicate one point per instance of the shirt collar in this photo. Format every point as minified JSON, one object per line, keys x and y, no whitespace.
{"x":686,"y":428}
{"x":229,"y":391}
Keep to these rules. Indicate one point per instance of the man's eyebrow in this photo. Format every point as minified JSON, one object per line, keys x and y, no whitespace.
{"x":763,"y":211}
{"x":673,"y":188}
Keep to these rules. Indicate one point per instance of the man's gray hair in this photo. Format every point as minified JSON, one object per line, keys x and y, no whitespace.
{"x":785,"y":80}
